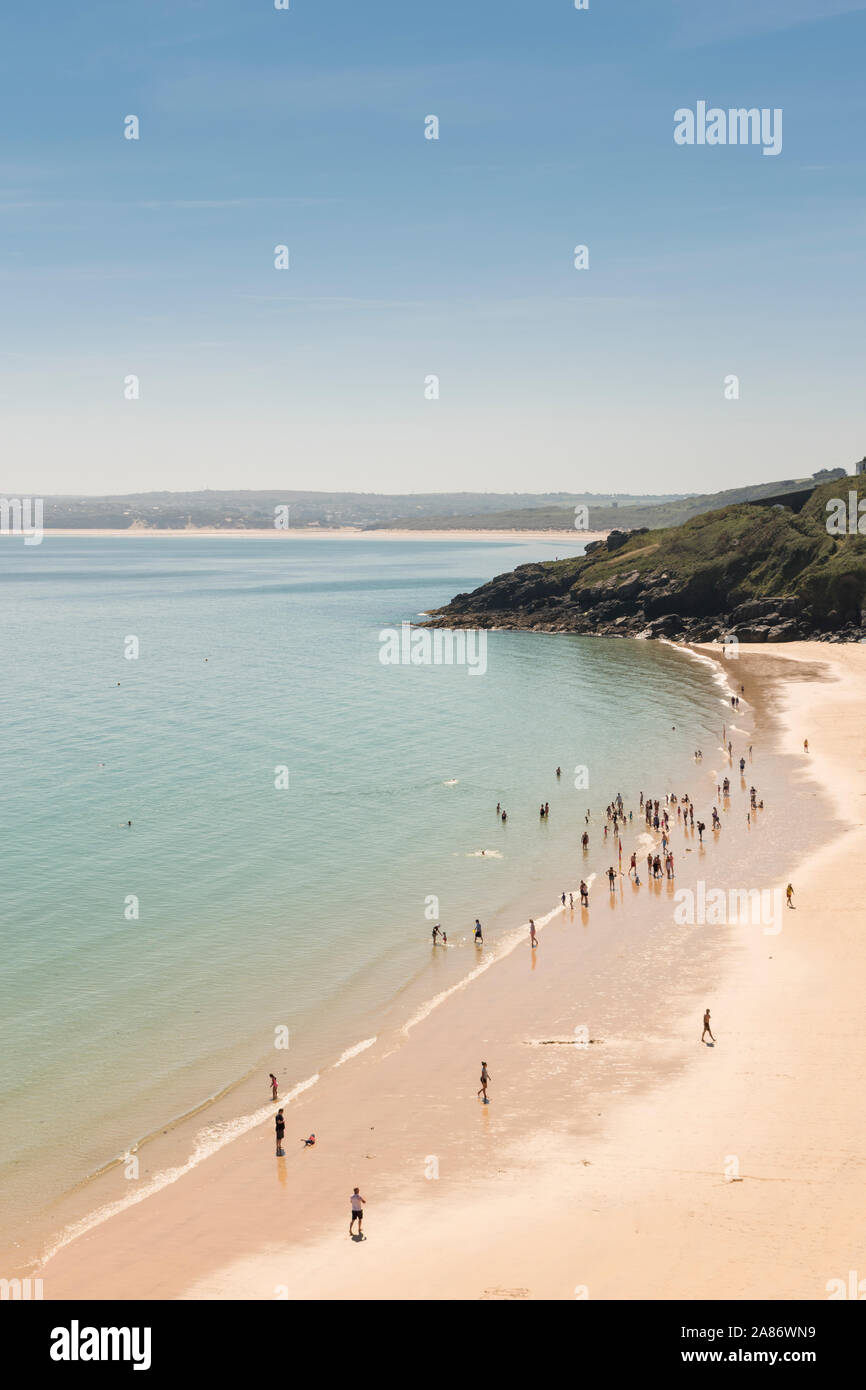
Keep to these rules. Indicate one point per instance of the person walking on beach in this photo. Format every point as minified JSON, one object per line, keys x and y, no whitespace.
{"x":707,"y":1028}
{"x":280,"y":1126}
{"x":435,"y":933}
{"x":485,"y":1077}
{"x":701,"y":829}
{"x":533,"y":939}
{"x":789,"y":894}
{"x":274,"y":1085}
{"x":479,"y":939}
{"x":358,"y":1202}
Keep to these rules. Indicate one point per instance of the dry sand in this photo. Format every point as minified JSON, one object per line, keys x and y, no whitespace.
{"x":641,"y":1165}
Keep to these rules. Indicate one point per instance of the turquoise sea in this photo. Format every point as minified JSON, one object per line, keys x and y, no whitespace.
{"x":260,"y":905}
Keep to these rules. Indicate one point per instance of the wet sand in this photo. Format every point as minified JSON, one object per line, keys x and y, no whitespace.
{"x":639,"y":1163}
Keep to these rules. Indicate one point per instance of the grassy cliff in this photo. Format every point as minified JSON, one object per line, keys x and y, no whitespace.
{"x":750,"y":570}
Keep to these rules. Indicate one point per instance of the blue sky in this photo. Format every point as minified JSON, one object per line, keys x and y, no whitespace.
{"x":412,"y":257}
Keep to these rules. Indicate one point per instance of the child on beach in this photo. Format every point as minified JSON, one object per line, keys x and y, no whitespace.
{"x":274,"y":1085}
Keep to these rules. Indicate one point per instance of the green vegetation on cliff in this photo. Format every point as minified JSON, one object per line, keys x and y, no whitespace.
{"x":753,"y":568}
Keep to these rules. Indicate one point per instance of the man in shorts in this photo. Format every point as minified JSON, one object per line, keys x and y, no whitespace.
{"x":357,"y":1210}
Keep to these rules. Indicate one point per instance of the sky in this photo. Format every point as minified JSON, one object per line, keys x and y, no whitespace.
{"x":412,"y":258}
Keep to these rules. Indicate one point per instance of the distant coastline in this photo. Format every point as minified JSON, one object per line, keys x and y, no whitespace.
{"x":306,"y":532}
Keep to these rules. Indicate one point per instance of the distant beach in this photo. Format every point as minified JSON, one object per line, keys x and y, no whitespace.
{"x":349,"y":532}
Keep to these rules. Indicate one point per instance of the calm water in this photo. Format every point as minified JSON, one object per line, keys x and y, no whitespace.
{"x":261,"y":906}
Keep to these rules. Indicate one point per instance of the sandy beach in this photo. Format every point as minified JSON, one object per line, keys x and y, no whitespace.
{"x":345,"y":532}
{"x":621,"y":1160}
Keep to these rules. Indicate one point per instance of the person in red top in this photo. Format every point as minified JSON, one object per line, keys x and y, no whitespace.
{"x":274,"y":1085}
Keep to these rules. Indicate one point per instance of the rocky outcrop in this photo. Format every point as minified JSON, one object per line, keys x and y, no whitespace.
{"x":690,"y":585}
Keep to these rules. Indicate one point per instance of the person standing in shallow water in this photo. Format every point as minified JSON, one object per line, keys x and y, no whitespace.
{"x":280,"y":1127}
{"x":533,"y":939}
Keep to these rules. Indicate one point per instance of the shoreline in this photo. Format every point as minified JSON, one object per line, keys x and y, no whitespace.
{"x":330,"y":533}
{"x":308,"y":1263}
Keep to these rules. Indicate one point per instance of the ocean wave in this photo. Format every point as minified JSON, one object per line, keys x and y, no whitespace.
{"x":207,"y":1142}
